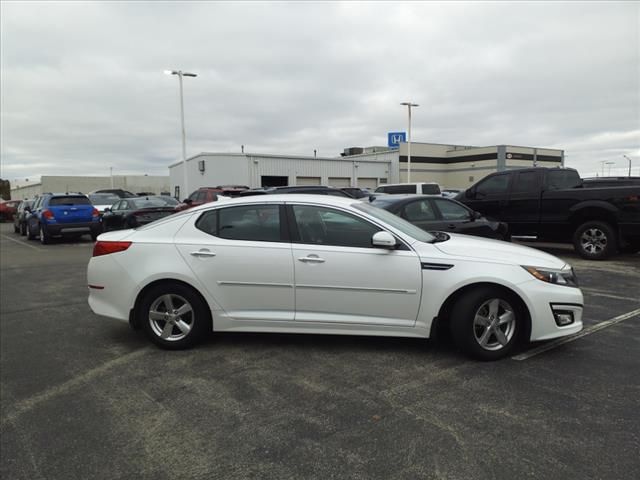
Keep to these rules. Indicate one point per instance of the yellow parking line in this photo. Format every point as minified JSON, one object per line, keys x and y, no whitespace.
{"x":587,"y":331}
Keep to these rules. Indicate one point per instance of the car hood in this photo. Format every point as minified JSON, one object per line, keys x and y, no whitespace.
{"x":495,"y":251}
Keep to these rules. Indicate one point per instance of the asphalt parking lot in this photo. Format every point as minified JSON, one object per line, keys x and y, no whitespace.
{"x":86,"y":397}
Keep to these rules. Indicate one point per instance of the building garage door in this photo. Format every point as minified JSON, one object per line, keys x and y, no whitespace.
{"x":367,"y":182}
{"x":339,"y":182}
{"x":307,"y":180}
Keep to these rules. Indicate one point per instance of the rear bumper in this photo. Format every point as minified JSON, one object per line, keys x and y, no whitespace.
{"x":56,"y":229}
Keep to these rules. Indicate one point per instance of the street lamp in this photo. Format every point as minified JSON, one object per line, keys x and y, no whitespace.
{"x":409,"y":105}
{"x":181,"y":74}
{"x":629,"y":163}
{"x":609,"y":171}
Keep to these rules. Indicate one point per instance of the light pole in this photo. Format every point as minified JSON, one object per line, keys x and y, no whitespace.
{"x":409,"y":105}
{"x":181,"y":74}
{"x":629,"y":163}
{"x":609,"y":171}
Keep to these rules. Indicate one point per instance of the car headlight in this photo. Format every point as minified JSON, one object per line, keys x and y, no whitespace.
{"x":564,"y":276}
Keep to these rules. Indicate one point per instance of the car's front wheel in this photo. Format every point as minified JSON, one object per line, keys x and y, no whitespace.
{"x":174,"y":316}
{"x":487,"y":323}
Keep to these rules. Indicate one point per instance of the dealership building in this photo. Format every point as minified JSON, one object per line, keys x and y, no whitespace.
{"x":451,"y":166}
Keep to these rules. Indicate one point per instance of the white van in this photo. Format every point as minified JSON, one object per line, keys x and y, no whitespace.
{"x":423,"y":188}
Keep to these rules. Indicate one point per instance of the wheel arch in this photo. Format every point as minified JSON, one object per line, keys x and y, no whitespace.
{"x":134,"y":320}
{"x":596,"y":212}
{"x":440,"y":323}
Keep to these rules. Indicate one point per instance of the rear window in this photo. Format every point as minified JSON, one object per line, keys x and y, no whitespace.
{"x":150,"y":202}
{"x":432,"y":189}
{"x":69,"y":200}
{"x":394,"y":189}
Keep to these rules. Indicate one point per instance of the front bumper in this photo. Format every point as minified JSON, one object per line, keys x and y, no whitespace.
{"x":545,"y":301}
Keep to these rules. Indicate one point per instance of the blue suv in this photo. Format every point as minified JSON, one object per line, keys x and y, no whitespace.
{"x":63,"y":214}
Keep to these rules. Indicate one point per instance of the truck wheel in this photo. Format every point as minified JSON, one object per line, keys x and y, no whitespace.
{"x":595,"y":240}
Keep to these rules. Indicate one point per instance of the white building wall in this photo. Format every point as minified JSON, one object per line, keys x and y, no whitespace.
{"x":68,"y":183}
{"x":248,"y":169}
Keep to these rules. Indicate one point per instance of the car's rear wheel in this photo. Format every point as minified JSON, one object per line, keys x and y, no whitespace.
{"x":487,"y":323}
{"x":174,"y":316}
{"x":30,"y":234}
{"x":595,"y":240}
{"x":45,"y":239}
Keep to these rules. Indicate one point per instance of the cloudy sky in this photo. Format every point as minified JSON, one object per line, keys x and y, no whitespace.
{"x":83,"y":87}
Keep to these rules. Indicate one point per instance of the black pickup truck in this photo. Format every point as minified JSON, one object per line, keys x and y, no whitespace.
{"x":552,"y":204}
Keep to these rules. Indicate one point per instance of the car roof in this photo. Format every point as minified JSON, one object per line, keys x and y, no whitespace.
{"x":322,"y":200}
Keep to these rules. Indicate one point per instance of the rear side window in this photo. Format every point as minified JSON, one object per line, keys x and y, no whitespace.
{"x":494,"y":185}
{"x":259,"y":223}
{"x":69,"y":200}
{"x":431,"y":189}
{"x":451,"y":210}
{"x":561,"y":179}
{"x":525,"y":182}
{"x":420,"y":211}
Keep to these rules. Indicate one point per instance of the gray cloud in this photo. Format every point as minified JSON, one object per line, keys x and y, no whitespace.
{"x":83,"y":89}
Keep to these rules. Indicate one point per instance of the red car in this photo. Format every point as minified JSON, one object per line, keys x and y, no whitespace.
{"x":8,"y":210}
{"x":210,"y":194}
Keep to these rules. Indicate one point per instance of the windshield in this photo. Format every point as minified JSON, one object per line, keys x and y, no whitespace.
{"x":396,"y":222}
{"x":153,"y":202}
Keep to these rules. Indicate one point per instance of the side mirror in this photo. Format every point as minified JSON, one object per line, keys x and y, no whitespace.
{"x":476,"y":216}
{"x":383,"y":240}
{"x":188,"y":201}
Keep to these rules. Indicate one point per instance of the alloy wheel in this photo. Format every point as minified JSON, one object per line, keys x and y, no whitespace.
{"x":593,"y":240}
{"x":494,"y":324}
{"x":171,"y":317}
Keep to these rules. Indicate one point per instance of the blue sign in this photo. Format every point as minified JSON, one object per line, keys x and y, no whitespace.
{"x":395,"y":138}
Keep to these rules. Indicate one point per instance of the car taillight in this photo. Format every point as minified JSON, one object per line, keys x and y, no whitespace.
{"x":48,"y":214}
{"x":95,"y":213}
{"x":105,"y":247}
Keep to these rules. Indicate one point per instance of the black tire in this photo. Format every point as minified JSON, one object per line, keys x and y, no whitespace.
{"x":30,"y":234}
{"x":475,"y":323}
{"x":15,"y":229}
{"x":131,"y":222}
{"x":45,"y":238}
{"x":23,"y":229}
{"x":595,"y":240}
{"x":168,"y":334}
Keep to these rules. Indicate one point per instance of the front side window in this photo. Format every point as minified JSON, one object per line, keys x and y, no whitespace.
{"x":525,"y":182}
{"x":326,"y":226}
{"x":420,"y":211}
{"x":494,"y":185}
{"x":258,"y":223}
{"x":451,"y":210}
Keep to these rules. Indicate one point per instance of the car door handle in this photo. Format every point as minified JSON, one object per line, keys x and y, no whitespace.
{"x":203,"y":253}
{"x":311,"y":259}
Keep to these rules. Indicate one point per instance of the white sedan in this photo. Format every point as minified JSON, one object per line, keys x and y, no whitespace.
{"x":322,"y":264}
